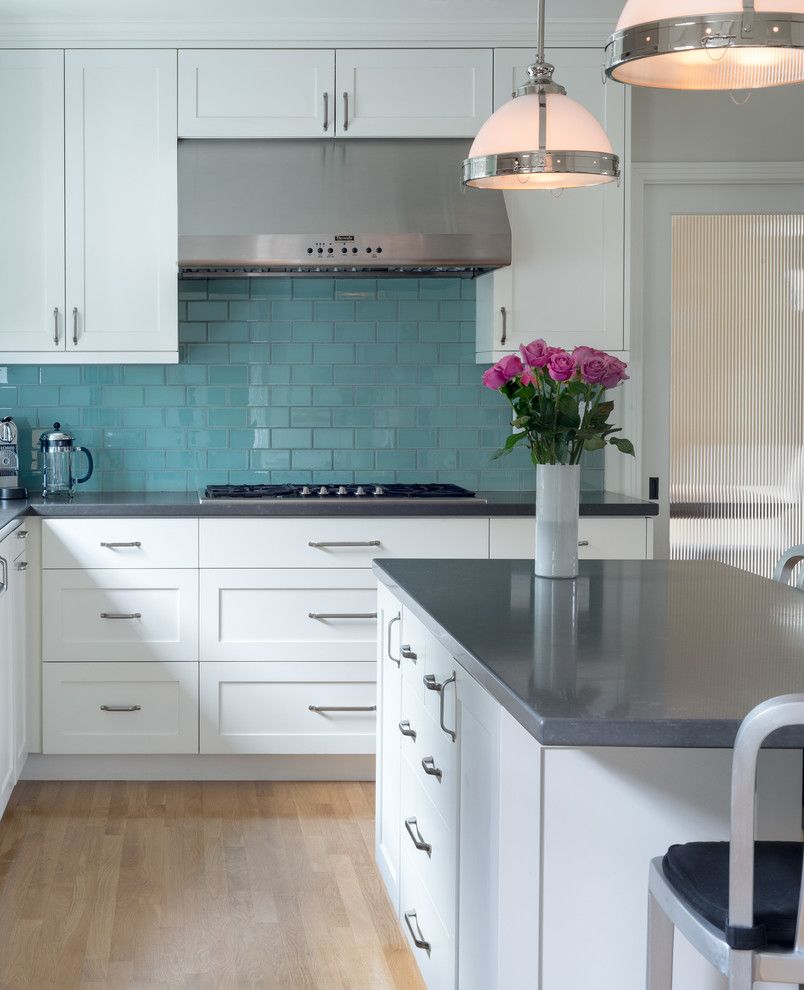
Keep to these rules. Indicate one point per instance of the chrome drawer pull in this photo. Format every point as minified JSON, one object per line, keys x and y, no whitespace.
{"x":418,"y":938}
{"x":397,"y":660}
{"x":121,"y":615}
{"x":345,"y":112}
{"x":583,"y":543}
{"x":330,"y":543}
{"x":429,"y":767}
{"x":75,"y":326}
{"x":321,"y":709}
{"x":418,"y":841}
{"x":4,"y":582}
{"x":22,"y":565}
{"x":326,"y":111}
{"x":56,"y":325}
{"x":405,"y":729}
{"x":407,"y":653}
{"x":342,"y":615}
{"x":115,"y":546}
{"x":431,"y":683}
{"x":21,"y":534}
{"x":121,"y":708}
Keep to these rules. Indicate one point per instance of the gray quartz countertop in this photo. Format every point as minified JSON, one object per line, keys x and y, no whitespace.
{"x":188,"y":504}
{"x":631,"y":653}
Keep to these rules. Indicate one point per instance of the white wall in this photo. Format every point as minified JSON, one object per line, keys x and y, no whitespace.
{"x":709,"y":127}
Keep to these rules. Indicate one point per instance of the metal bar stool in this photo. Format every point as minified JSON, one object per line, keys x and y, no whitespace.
{"x":739,"y":903}
{"x":787,"y":563}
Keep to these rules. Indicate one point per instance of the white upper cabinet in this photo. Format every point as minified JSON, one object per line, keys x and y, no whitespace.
{"x":32,"y":200}
{"x":415,"y":93}
{"x":256,"y":94}
{"x":121,"y":201}
{"x":566,"y":282}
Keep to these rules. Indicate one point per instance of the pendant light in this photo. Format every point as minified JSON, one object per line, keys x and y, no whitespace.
{"x":708,"y":44}
{"x":541,"y":139}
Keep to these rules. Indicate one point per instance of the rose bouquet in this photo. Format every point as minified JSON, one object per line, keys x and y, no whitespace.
{"x":559,"y":403}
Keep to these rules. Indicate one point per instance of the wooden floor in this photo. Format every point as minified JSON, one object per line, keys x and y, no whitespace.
{"x":195,"y":885}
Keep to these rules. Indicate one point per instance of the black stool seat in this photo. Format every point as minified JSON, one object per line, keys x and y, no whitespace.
{"x":699,"y":873}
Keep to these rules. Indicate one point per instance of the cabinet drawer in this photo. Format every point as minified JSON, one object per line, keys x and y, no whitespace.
{"x":608,"y":538}
{"x":437,"y":959}
{"x":157,"y":707}
{"x":124,"y":543}
{"x":336,"y":542}
{"x":433,"y":748}
{"x":18,"y":545}
{"x":412,"y":650}
{"x":439,"y":669}
{"x":119,"y":615}
{"x":266,"y":707}
{"x":288,"y":615}
{"x":437,"y":866}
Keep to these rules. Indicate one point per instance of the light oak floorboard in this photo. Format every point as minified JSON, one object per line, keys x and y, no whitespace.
{"x":199,"y":886}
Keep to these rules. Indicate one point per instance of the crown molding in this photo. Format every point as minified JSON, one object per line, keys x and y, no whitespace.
{"x":298,"y":32}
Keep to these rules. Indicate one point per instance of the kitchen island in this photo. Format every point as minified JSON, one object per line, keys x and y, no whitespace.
{"x":580,"y":727}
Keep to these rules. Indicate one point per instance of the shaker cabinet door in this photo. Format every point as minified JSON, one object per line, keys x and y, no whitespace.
{"x":256,"y":94}
{"x":121,"y":201}
{"x":32,"y":202}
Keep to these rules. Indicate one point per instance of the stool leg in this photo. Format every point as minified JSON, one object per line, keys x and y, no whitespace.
{"x":741,"y":970}
{"x":660,"y":948}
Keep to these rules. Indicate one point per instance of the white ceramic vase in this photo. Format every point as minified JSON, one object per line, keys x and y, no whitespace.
{"x":557,"y":496}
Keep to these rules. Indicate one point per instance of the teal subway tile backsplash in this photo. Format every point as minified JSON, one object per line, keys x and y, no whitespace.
{"x":284,"y":380}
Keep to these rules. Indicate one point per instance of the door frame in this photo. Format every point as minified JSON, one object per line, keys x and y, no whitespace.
{"x":622,"y":473}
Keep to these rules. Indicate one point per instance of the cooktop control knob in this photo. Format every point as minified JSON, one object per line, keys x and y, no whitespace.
{"x":360,"y":490}
{"x":305,"y":490}
{"x":323,"y":490}
{"x":342,"y":490}
{"x":379,"y":490}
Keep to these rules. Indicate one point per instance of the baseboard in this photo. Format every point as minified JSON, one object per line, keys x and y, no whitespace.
{"x":40,"y":767}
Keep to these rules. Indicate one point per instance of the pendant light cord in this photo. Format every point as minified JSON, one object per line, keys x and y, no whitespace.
{"x":540,"y":29}
{"x":542,"y":94}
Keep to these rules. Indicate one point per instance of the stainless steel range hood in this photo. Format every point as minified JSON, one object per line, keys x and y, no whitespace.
{"x":354,"y":207}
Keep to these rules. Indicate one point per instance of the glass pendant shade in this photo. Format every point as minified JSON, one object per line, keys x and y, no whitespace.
{"x":708,"y":44}
{"x":573,"y":136}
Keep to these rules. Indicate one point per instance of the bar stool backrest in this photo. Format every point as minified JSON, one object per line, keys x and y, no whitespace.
{"x":788,"y":562}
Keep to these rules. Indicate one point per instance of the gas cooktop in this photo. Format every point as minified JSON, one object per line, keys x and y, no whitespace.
{"x":237,"y":493}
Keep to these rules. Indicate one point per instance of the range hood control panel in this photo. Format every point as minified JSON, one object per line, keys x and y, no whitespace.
{"x":343,"y":246}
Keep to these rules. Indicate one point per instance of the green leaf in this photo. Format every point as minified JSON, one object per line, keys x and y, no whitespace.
{"x":594,"y":443}
{"x":623,"y":445}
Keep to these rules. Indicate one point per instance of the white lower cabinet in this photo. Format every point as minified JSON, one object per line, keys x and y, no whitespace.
{"x":120,"y":615}
{"x":115,"y":707}
{"x":389,"y":729}
{"x":319,"y":708}
{"x":601,"y":538}
{"x":13,"y":660}
{"x":300,"y":614}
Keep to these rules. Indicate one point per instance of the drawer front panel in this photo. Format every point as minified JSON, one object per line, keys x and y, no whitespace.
{"x":434,"y":751}
{"x":266,"y":708}
{"x":119,"y":615}
{"x":19,"y":547}
{"x":440,"y":667}
{"x":157,"y":708}
{"x":413,"y":651}
{"x":436,"y":961}
{"x":124,"y":543}
{"x":438,"y":866}
{"x":287,"y":542}
{"x":288,"y":615}
{"x":607,"y":538}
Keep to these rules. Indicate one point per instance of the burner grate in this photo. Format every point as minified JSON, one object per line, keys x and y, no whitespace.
{"x":336,"y":492}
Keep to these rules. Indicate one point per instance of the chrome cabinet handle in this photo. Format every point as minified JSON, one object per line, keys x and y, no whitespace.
{"x":121,"y":615}
{"x":363,"y":543}
{"x":22,"y":534}
{"x":341,"y":615}
{"x":417,"y":838}
{"x":121,"y":708}
{"x":429,"y":767}
{"x":583,"y":543}
{"x":326,"y":111}
{"x":4,"y":582}
{"x":75,"y":325}
{"x":504,"y":315}
{"x":56,"y":325}
{"x":397,"y":660}
{"x":321,"y":709}
{"x":407,"y":653}
{"x":418,"y":938}
{"x":405,"y":729}
{"x":432,"y":684}
{"x":346,"y":111}
{"x":114,"y":546}
{"x":22,"y":565}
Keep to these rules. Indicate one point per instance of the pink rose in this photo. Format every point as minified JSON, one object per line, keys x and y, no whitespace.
{"x":527,"y":377}
{"x":503,"y":371}
{"x":615,"y":372}
{"x":593,"y":368}
{"x":581,"y":354}
{"x":561,"y":366}
{"x":536,"y":354}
